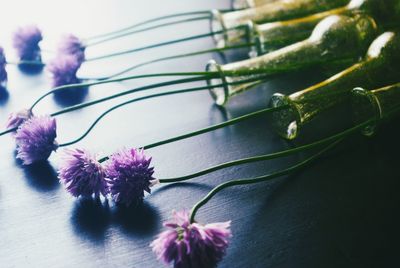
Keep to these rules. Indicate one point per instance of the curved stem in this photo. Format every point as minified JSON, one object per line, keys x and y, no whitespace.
{"x":90,"y":103}
{"x":208,"y":129}
{"x":136,"y":25}
{"x":219,"y":167}
{"x":157,"y":85}
{"x":190,"y":38}
{"x":56,"y":89}
{"x":101,"y":41}
{"x":187,"y":90}
{"x":340,"y":135}
{"x":271,"y":176}
{"x":174,"y":57}
{"x":129,"y":102}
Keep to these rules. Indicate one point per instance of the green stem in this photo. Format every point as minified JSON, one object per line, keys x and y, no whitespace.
{"x":190,"y":38}
{"x":173,"y":57}
{"x":129,"y":102}
{"x":284,"y":153}
{"x":208,"y":129}
{"x":90,"y":103}
{"x":157,"y":85}
{"x":56,"y":89}
{"x":101,"y":41}
{"x":271,"y":176}
{"x":136,"y":25}
{"x":140,"y":99}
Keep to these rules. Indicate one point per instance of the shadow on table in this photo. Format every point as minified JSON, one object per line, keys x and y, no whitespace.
{"x":31,"y":69}
{"x":90,"y":219}
{"x":40,"y":176}
{"x":71,"y":96}
{"x":4,"y":95}
{"x":136,"y":220}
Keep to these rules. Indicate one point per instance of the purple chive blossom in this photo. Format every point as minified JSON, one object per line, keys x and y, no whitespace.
{"x":63,"y":69}
{"x":3,"y":63}
{"x":35,"y":139}
{"x":82,"y":174}
{"x":26,"y":42}
{"x":129,"y":174}
{"x":16,"y":119}
{"x":192,"y":245}
{"x":72,"y":45}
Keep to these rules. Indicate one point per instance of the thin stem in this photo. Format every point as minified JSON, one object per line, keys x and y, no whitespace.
{"x":270,"y":156}
{"x":208,"y":129}
{"x":215,"y":127}
{"x":56,"y":89}
{"x":271,"y":176}
{"x":90,"y":103}
{"x":190,"y":38}
{"x":140,"y":99}
{"x":101,"y":41}
{"x":136,"y":25}
{"x":174,"y":57}
{"x":10,"y":130}
{"x":157,"y":85}
{"x":129,"y":102}
{"x":284,"y":153}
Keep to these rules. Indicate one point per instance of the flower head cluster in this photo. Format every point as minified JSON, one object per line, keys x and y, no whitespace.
{"x":64,"y":70}
{"x":26,"y":42}
{"x":3,"y":63}
{"x":188,"y":244}
{"x":35,"y":139}
{"x":72,"y":45}
{"x":16,"y":119}
{"x":82,"y":174}
{"x":128,"y":175}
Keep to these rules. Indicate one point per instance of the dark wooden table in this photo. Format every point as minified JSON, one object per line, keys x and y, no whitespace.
{"x":340,"y":212}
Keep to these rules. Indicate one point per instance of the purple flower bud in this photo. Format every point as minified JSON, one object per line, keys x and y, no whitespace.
{"x":82,"y":174}
{"x":72,"y":45}
{"x":35,"y":139}
{"x":188,"y":244}
{"x":26,"y":42}
{"x":63,"y":69}
{"x":3,"y":72}
{"x":16,"y":119}
{"x":128,"y":175}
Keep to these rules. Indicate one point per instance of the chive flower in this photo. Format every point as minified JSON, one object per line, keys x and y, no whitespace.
{"x":63,"y":69}
{"x":187,"y":244}
{"x":129,"y":175}
{"x":72,"y":45}
{"x":18,"y":118}
{"x":35,"y":139}
{"x":82,"y":175}
{"x":26,"y":42}
{"x":3,"y":71}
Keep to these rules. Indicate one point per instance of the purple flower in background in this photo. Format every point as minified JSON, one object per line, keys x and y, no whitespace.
{"x":72,"y":45}
{"x":16,"y":119}
{"x":192,"y":245}
{"x":128,"y":175}
{"x":63,"y":69}
{"x":82,"y":174}
{"x":26,"y":42}
{"x":35,"y":139}
{"x":3,"y":63}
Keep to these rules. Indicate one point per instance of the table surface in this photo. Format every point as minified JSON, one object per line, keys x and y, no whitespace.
{"x":342,"y":211}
